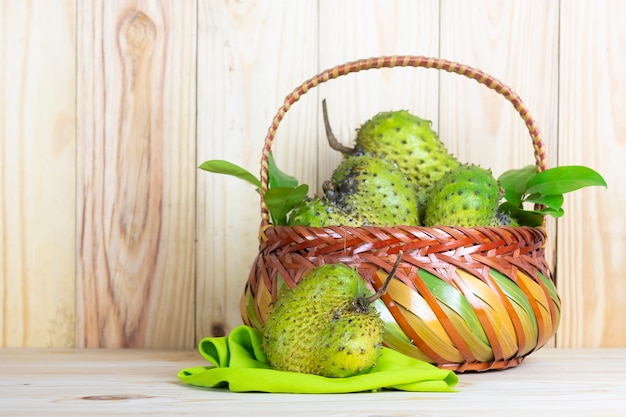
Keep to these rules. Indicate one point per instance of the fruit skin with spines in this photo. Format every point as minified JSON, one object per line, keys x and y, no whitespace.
{"x":321,"y":212}
{"x":501,"y":218}
{"x":409,"y":142}
{"x":363,"y":191}
{"x":373,"y":189}
{"x":324,"y":325}
{"x":467,"y":196}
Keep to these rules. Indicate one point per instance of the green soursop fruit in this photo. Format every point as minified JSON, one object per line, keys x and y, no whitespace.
{"x":467,"y":196}
{"x":373,"y":189}
{"x":409,"y":142}
{"x":503,"y":219}
{"x":325,"y":325}
{"x":320,"y":212}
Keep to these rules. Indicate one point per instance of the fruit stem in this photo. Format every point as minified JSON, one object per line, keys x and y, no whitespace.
{"x":330,"y":136}
{"x":382,"y":290}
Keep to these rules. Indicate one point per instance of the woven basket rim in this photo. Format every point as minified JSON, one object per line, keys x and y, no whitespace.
{"x":470,"y":262}
{"x":392,"y":61}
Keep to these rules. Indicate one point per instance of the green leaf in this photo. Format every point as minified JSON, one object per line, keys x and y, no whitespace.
{"x":529,"y":218}
{"x":224,"y":167}
{"x":278,"y":178}
{"x":552,"y":201}
{"x":564,"y":179}
{"x":554,"y":212}
{"x":514,"y":183}
{"x":523,"y":217}
{"x":281,"y":200}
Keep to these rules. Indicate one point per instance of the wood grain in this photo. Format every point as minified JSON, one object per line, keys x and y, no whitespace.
{"x":34,"y":382}
{"x":37,"y":173}
{"x":516,"y":43}
{"x":247,"y":64}
{"x":592,"y":130}
{"x":351,"y":30}
{"x":112,"y":237}
{"x":136,"y":157}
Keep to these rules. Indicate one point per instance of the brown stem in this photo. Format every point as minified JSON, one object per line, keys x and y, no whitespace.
{"x":330,"y":136}
{"x":382,"y":290}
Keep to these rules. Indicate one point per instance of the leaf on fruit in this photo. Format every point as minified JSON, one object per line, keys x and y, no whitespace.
{"x":281,"y":200}
{"x":514,"y":183}
{"x":523,"y":217}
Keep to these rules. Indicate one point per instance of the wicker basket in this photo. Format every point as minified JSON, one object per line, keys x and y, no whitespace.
{"x":465,"y":299}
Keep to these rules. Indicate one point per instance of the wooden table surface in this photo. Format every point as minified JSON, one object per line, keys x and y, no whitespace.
{"x":66,"y":382}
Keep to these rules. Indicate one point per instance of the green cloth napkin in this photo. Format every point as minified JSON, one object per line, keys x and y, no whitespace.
{"x":240,"y":365}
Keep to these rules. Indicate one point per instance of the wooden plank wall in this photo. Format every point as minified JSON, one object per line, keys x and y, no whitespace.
{"x":112,"y":238}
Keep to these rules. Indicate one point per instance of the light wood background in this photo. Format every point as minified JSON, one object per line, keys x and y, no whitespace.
{"x":111,"y":236}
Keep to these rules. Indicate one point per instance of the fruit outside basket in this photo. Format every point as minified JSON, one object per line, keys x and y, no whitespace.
{"x":465,"y":299}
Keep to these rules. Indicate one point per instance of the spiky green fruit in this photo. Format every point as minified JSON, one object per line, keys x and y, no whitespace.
{"x":409,"y":142}
{"x":503,"y":219}
{"x":467,"y":196}
{"x":375,"y":190}
{"x":320,"y":212}
{"x":324,"y":326}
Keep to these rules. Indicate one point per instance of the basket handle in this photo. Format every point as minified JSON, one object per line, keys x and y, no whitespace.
{"x":391,"y":62}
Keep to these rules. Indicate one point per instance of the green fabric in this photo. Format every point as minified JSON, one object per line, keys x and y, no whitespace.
{"x":240,"y":365}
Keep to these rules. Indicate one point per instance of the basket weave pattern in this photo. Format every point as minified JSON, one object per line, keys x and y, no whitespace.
{"x":466,"y":299}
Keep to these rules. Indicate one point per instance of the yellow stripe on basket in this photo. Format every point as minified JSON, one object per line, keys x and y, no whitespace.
{"x":530,"y":330}
{"x":544,"y":318}
{"x":452,"y":297}
{"x":506,"y":333}
{"x":394,"y":337}
{"x":415,"y":303}
{"x":481,"y":351}
{"x":264,"y":300}
{"x":515,"y":294}
{"x":444,"y":349}
{"x":535,"y":289}
{"x":423,"y":320}
{"x":523,"y":309}
{"x":496,"y":313}
{"x":549,"y":284}
{"x":248,"y":307}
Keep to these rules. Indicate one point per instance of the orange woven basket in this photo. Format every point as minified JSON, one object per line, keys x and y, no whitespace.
{"x":465,"y":299}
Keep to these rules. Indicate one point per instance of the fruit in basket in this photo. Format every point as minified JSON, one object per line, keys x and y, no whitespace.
{"x":522,"y":187}
{"x":467,"y":196}
{"x":405,"y":140}
{"x":320,"y":212}
{"x":502,"y":218}
{"x":409,"y":142}
{"x":374,"y":190}
{"x":326,"y":325}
